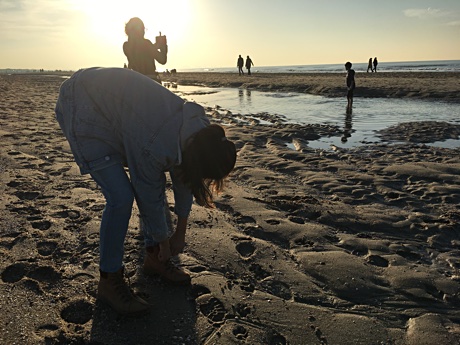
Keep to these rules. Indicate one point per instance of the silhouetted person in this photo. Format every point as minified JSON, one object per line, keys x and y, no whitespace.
{"x":240,"y":64}
{"x":350,"y":85}
{"x":249,"y":63}
{"x":125,"y":66}
{"x":375,"y":64}
{"x":141,"y":52}
{"x":369,"y":66}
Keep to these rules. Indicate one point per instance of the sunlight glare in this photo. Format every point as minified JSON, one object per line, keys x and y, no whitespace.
{"x":108,"y":18}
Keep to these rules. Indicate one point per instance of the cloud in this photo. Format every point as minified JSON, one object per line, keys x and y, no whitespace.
{"x":35,"y":19}
{"x":454,"y":23}
{"x":425,"y":13}
{"x":10,"y":5}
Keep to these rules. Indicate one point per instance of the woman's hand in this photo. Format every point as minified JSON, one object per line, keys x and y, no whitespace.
{"x":165,"y":251}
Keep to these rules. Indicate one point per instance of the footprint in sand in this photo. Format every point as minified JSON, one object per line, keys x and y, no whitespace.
{"x":27,"y":210}
{"x":304,"y":241}
{"x":275,"y":338}
{"x":277,"y":288}
{"x":245,"y":220}
{"x":240,"y":332}
{"x":199,"y":290}
{"x":72,"y":214}
{"x":78,"y":312}
{"x":27,"y":195}
{"x":13,"y":184}
{"x":197,"y":268}
{"x":14,"y":272}
{"x":242,"y":309}
{"x":41,"y":225}
{"x":49,"y":331}
{"x":377,"y":260}
{"x":10,"y":239}
{"x":258,"y":271}
{"x":13,"y":153}
{"x":247,"y":286}
{"x":47,"y":274}
{"x":297,"y":220}
{"x":46,"y":248}
{"x":245,"y":248}
{"x":212,"y":308}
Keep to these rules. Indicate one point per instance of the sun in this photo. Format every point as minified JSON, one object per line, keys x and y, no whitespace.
{"x":107,"y":18}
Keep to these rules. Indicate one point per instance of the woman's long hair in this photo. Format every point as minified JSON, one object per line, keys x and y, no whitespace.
{"x":206,"y":161}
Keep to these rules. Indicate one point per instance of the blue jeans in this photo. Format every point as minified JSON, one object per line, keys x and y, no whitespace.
{"x":119,"y":196}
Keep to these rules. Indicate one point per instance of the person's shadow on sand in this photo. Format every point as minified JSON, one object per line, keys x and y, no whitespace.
{"x":172,"y":318}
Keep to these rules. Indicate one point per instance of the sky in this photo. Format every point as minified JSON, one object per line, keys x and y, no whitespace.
{"x":73,"y":34}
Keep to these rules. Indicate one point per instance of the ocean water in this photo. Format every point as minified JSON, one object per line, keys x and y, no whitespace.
{"x":405,"y":66}
{"x":369,"y":114}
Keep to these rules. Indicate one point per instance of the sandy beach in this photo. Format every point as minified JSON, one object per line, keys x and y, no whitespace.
{"x":344,"y":246}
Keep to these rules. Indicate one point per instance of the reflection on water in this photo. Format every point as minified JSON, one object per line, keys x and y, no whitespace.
{"x":244,"y":97}
{"x":348,"y":127}
{"x":369,"y":114}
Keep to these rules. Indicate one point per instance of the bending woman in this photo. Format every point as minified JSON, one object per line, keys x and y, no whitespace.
{"x":115,"y":118}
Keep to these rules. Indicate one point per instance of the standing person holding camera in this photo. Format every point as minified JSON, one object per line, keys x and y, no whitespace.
{"x":141,"y":52}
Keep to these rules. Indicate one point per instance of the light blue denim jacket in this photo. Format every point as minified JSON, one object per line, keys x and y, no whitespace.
{"x":115,"y":115}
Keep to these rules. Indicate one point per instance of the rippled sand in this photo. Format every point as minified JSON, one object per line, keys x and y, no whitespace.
{"x":305,"y":246}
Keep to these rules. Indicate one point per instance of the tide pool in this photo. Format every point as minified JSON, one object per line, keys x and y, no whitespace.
{"x":368,"y":115}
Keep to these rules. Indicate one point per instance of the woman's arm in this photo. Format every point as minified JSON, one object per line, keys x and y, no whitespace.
{"x":183,"y":203}
{"x":177,"y":240}
{"x":158,"y":52}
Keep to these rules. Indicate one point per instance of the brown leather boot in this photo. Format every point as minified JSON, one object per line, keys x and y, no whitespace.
{"x":166,"y":270}
{"x":114,"y":291}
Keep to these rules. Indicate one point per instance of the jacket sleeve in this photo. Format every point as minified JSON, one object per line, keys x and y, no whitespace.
{"x":183,"y":197}
{"x":150,"y":198}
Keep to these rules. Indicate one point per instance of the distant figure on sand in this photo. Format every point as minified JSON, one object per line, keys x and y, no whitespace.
{"x":369,"y":66}
{"x":350,"y":85}
{"x":375,"y":64}
{"x":141,"y":52}
{"x":249,"y":63}
{"x":240,"y":64}
{"x":115,"y":118}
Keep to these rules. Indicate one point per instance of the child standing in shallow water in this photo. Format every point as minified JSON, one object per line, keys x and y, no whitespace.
{"x":350,"y":84}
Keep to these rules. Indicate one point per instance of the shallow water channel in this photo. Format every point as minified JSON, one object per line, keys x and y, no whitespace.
{"x":368,"y":115}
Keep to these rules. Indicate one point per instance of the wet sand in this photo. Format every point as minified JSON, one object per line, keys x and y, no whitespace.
{"x":418,"y":85}
{"x":357,"y":246}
